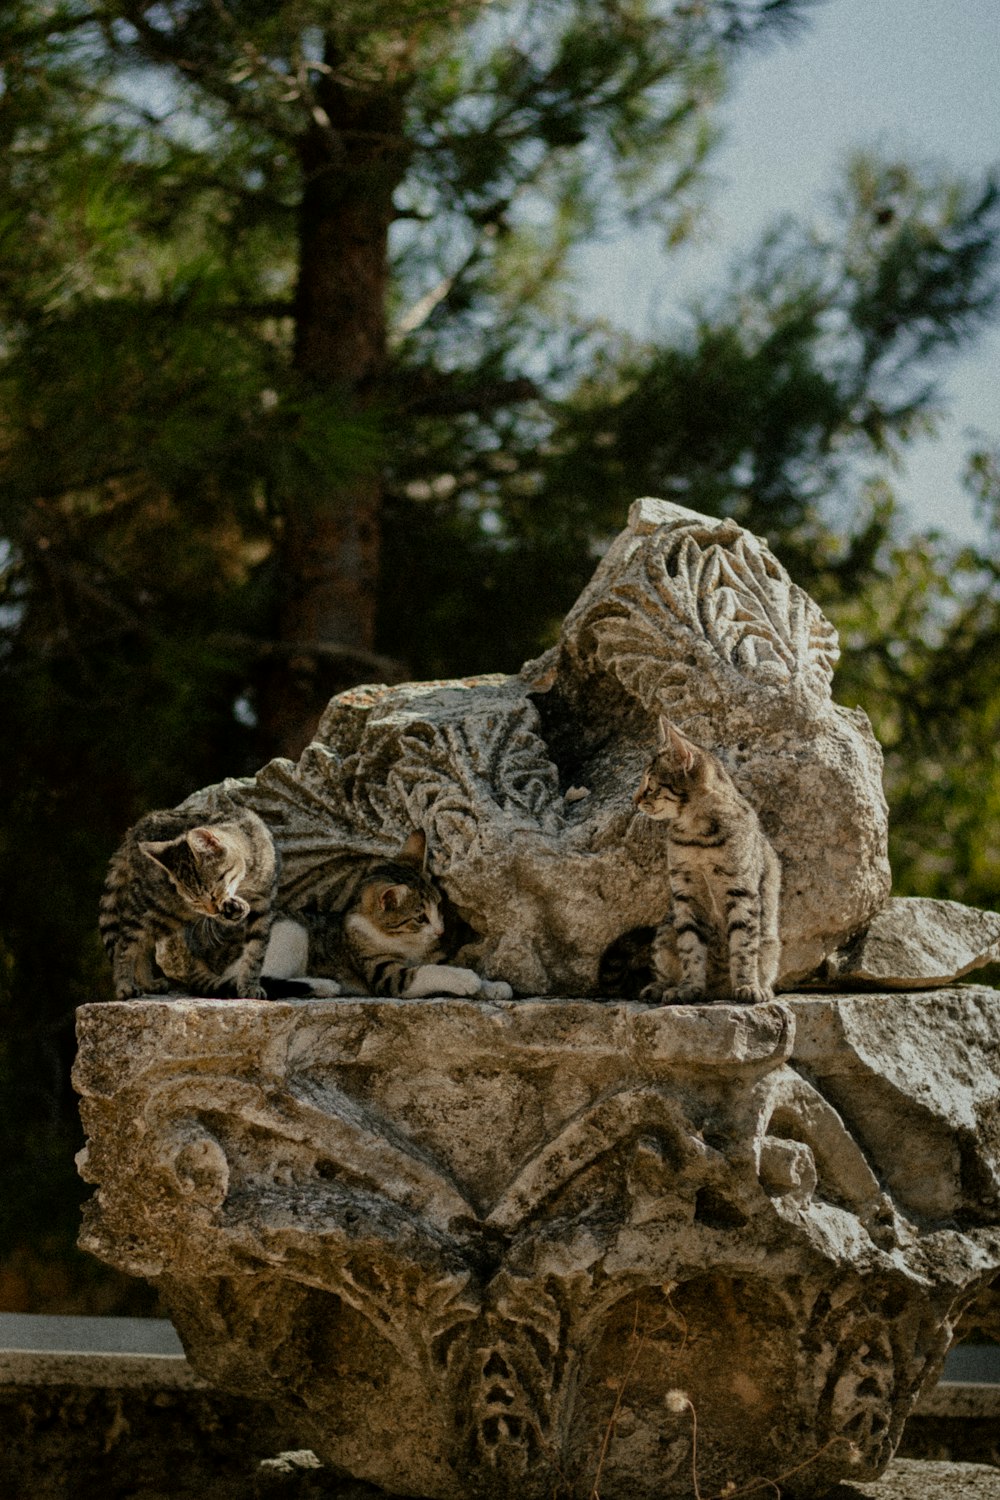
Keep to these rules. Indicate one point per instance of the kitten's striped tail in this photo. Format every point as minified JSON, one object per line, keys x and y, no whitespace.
{"x":108,"y":922}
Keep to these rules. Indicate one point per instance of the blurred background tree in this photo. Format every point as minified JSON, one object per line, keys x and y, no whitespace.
{"x":294,"y":394}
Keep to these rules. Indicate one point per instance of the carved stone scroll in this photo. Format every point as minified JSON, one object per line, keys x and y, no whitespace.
{"x":524,"y":784}
{"x":528,"y":1248}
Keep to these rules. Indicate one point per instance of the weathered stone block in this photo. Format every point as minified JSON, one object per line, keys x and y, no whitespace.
{"x":524,"y":784}
{"x":916,"y":942}
{"x":544,"y":1247}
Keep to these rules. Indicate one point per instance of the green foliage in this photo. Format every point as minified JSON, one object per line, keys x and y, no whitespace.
{"x":922,"y":656}
{"x":777,"y":406}
{"x":782,"y":386}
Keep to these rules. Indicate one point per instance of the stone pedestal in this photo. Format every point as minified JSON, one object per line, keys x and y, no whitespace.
{"x":558,"y":1248}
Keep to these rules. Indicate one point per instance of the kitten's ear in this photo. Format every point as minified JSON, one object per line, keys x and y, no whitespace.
{"x":671,"y":739}
{"x":153,"y":850}
{"x":172,"y":855}
{"x":414,"y":851}
{"x":204,"y":841}
{"x":392,"y":897}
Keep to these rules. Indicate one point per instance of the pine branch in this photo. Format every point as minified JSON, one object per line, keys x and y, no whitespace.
{"x":160,"y":47}
{"x":44,"y":31}
{"x":384,"y":668}
{"x":440,"y":395}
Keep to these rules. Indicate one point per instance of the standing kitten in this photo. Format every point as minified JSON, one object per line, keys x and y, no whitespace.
{"x":386,"y":940}
{"x":725,"y":879}
{"x":188,"y":904}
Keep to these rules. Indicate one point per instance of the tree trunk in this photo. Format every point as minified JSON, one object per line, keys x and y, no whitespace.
{"x":352,"y":159}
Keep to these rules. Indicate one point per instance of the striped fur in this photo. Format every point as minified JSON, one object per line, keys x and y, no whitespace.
{"x":722,"y":940}
{"x":385,"y":938}
{"x":188,"y":904}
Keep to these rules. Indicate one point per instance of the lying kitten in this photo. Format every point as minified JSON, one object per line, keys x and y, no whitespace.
{"x":725,"y":880}
{"x":386,"y":941}
{"x":187,"y":905}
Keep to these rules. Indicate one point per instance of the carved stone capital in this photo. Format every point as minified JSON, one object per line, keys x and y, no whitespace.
{"x":547,"y":1247}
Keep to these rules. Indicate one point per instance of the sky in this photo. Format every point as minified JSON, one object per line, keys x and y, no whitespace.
{"x":919,"y":78}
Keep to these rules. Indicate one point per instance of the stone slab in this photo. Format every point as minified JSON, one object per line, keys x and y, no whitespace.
{"x":117,"y":1371}
{"x":973,"y":1364}
{"x":88,"y":1335}
{"x":916,"y":942}
{"x":961,"y":1400}
{"x":120,"y":1353}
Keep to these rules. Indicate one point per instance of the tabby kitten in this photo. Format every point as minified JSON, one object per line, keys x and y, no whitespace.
{"x":725,"y":881}
{"x":188,"y":904}
{"x":385,"y":941}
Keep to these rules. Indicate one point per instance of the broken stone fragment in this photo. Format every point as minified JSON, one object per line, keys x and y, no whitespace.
{"x":916,"y":942}
{"x":524,"y":784}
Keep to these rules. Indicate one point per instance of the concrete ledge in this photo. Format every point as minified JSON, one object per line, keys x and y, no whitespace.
{"x":122,"y":1371}
{"x":35,"y":1331}
{"x":952,"y":1399}
{"x":916,"y":1479}
{"x":119,"y":1352}
{"x":969,"y":1389}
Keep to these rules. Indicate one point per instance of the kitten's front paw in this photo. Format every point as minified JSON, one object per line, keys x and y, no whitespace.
{"x":495,"y":989}
{"x":752,"y":994}
{"x":253,"y":992}
{"x":154,"y":989}
{"x":441,"y":979}
{"x":324,"y":989}
{"x":168,"y":994}
{"x":659,"y":993}
{"x":447,"y":979}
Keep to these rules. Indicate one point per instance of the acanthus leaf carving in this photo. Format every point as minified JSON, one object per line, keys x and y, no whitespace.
{"x":649,"y":1225}
{"x":710,"y":609}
